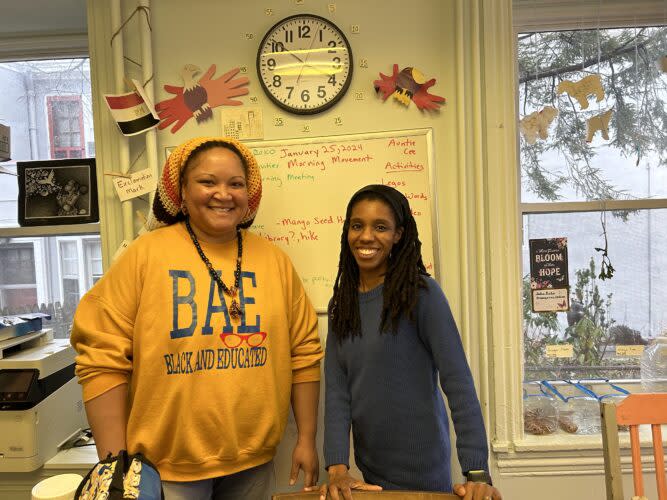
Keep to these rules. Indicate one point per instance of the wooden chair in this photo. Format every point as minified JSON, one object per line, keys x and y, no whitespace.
{"x":634,"y":410}
{"x":372,"y":495}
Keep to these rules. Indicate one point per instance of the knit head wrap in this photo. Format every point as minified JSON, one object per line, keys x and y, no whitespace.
{"x":167,"y":208}
{"x":394,"y":198}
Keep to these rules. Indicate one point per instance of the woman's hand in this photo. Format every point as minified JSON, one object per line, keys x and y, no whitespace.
{"x":305,"y":457}
{"x":477,"y":491}
{"x":341,"y":484}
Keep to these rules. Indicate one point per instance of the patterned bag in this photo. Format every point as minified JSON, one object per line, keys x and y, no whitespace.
{"x":120,"y":477}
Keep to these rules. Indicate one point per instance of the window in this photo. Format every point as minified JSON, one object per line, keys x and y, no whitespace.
{"x":17,"y":275}
{"x":93,"y":260}
{"x":69,"y":271}
{"x":48,"y":106}
{"x":66,"y":126}
{"x":603,"y":186}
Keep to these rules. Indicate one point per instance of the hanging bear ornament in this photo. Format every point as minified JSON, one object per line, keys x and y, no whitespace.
{"x":537,"y":124}
{"x":580,"y":90}
{"x":408,"y":85}
{"x":598,"y":123}
{"x":662,"y":64}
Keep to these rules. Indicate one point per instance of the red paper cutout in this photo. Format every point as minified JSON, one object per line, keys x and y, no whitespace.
{"x":198,"y":98}
{"x":408,"y":85}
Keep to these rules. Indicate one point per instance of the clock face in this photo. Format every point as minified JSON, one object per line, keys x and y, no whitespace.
{"x":305,"y":64}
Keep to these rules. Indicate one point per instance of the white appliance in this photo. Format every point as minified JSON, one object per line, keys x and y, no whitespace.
{"x":40,"y":400}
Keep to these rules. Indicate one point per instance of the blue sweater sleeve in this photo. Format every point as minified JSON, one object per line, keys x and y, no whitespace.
{"x":337,"y":411}
{"x":440,"y":334}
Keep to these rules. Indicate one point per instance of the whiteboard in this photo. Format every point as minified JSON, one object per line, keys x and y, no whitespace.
{"x":308,"y":182}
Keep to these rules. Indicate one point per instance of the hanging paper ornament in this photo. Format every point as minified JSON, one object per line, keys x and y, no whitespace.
{"x":5,"y":143}
{"x":662,"y":64}
{"x":409,"y":84}
{"x":580,"y":90}
{"x":537,"y":124}
{"x":598,"y":122}
{"x":197,"y":98}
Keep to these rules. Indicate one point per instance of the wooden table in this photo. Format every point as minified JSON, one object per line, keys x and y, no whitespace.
{"x":373,"y":495}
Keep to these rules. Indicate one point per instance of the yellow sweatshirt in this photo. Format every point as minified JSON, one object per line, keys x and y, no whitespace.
{"x":209,"y":396}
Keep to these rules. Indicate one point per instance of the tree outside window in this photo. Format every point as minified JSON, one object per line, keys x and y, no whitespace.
{"x":608,"y":196}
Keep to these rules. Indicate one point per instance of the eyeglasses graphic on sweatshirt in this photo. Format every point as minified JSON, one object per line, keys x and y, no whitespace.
{"x":232,"y":340}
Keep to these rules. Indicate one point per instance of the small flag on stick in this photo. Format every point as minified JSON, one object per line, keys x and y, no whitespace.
{"x":132,"y":112}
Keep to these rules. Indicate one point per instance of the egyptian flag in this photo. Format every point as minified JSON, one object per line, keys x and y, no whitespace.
{"x":131,"y":112}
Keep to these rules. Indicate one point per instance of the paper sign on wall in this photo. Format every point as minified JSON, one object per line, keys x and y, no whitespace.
{"x":549,"y":281}
{"x":139,"y":183}
{"x":5,"y":144}
{"x":629,"y":350}
{"x":243,"y":123}
{"x":559,"y":351}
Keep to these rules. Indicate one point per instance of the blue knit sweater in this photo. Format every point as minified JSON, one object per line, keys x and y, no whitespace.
{"x":385,"y":387}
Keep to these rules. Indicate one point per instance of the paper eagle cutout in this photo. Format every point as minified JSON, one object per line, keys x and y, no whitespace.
{"x":409,"y":84}
{"x":198,"y":97}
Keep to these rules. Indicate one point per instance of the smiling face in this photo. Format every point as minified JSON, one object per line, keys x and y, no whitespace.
{"x":371,"y":235}
{"x":215,"y":194}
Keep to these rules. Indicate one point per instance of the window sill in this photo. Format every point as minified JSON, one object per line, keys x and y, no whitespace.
{"x":35,"y":231}
{"x":564,"y":454}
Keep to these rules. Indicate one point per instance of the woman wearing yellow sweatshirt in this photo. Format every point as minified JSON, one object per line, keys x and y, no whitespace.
{"x":193,"y":343}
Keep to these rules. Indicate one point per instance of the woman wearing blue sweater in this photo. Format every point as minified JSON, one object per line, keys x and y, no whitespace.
{"x":391,"y":337}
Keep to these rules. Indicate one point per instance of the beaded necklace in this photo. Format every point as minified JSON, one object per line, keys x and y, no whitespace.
{"x":234,"y":309}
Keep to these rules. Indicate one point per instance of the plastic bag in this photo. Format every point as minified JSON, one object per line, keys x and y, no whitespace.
{"x":540,"y":415}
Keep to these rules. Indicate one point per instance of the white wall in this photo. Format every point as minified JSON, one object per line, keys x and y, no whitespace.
{"x":428,"y":34}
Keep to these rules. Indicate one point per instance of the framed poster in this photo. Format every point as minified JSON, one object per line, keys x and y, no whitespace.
{"x":549,"y":280}
{"x":56,"y":192}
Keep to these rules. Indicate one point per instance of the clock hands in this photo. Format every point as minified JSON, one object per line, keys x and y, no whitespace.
{"x":307,"y":55}
{"x":304,"y":63}
{"x":324,"y":63}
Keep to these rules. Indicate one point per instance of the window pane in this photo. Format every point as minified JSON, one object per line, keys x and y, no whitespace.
{"x":30,"y":279}
{"x":27,"y":89}
{"x":70,"y":291}
{"x":627,"y":309}
{"x":93,"y":251}
{"x":562,"y":165}
{"x":17,"y":264}
{"x":69,"y":258}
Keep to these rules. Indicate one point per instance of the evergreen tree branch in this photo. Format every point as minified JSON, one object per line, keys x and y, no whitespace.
{"x":625,"y":48}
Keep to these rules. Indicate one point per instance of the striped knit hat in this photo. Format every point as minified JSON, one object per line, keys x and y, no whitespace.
{"x":167,"y":201}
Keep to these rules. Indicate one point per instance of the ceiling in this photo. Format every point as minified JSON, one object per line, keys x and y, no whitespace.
{"x":44,"y":16}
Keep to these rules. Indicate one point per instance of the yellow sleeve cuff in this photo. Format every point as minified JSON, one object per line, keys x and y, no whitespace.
{"x":98,"y":385}
{"x":307,"y":374}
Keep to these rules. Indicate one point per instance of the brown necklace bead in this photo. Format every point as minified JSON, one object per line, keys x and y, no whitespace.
{"x":235,"y":310}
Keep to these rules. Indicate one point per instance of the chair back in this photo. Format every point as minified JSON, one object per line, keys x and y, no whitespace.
{"x":634,"y":410}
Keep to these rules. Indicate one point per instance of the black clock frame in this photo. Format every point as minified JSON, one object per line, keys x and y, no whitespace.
{"x":287,"y":107}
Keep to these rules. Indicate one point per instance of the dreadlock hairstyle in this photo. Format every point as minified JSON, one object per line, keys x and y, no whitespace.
{"x":405,"y":269}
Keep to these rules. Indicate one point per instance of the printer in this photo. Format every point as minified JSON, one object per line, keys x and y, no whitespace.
{"x":40,"y":400}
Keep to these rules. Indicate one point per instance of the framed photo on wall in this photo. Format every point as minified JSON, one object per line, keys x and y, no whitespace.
{"x":56,"y":192}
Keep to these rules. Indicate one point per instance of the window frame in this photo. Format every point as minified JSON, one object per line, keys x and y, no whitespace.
{"x":43,"y":46}
{"x":517,"y":454}
{"x":51,"y":101}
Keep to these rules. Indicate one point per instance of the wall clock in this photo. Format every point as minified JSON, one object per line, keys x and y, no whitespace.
{"x":304,"y":64}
